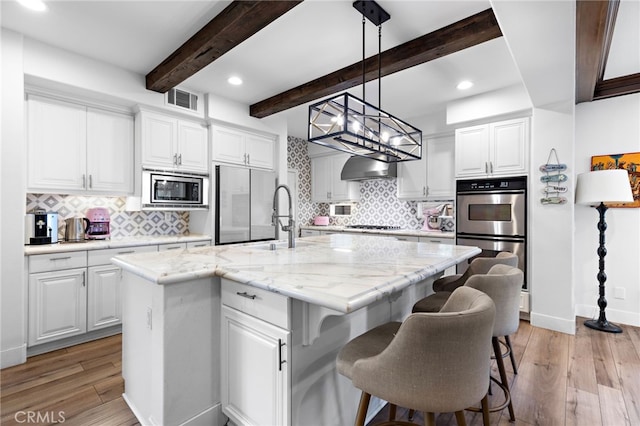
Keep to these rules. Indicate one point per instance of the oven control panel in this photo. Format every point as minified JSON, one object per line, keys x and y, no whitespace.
{"x":484,"y":185}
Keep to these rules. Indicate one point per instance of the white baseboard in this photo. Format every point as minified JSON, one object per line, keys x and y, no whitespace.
{"x":212,"y":416}
{"x":613,"y":315}
{"x":13,"y":356}
{"x":553,"y":323}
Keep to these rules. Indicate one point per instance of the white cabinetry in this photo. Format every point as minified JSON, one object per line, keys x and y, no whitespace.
{"x":173,"y":143}
{"x":255,"y":344}
{"x":104,"y":302}
{"x":243,"y":148}
{"x":432,"y":177}
{"x":326,"y":185}
{"x":492,"y":149}
{"x":57,"y":296}
{"x":73,"y":148}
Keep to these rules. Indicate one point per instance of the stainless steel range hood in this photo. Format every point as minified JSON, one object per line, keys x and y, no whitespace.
{"x":363,"y":168}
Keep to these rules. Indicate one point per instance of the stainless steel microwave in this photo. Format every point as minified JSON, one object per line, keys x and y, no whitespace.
{"x":169,"y":190}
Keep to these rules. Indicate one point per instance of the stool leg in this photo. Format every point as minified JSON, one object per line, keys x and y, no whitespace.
{"x":411,"y":413}
{"x":503,"y":375}
{"x":429,"y":419}
{"x":486,"y":421}
{"x":362,"y":409}
{"x":460,"y":418}
{"x":392,"y":411}
{"x":513,"y":358}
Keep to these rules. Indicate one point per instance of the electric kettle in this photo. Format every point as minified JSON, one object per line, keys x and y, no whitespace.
{"x":75,"y":229}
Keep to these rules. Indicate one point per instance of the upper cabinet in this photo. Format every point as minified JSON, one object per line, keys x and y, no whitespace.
{"x":493,"y":149}
{"x":326,"y":185}
{"x":243,"y":148}
{"x":432,"y":177}
{"x":173,"y":143}
{"x":73,"y":148}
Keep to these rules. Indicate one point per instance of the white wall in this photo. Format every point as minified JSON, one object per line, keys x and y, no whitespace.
{"x":610,"y":126}
{"x":551,"y":226}
{"x":13,"y":349}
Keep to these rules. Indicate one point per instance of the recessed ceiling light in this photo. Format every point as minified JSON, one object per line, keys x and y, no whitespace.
{"x":235,"y":80}
{"x":37,"y":5}
{"x":464,"y":85}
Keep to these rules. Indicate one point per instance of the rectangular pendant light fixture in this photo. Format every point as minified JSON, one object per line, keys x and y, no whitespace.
{"x":347,"y":123}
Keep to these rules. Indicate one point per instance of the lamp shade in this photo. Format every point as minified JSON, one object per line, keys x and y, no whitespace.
{"x":606,"y":186}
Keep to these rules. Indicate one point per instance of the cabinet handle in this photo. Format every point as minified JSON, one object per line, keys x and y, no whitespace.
{"x":126,"y":252}
{"x":280,"y":361}
{"x":179,"y":159}
{"x":59,"y":258}
{"x":245,"y":158}
{"x":247,"y":295}
{"x":491,"y":166}
{"x":175,"y":159}
{"x":83,"y":279}
{"x":436,"y":241}
{"x":90,"y":181}
{"x":84,"y":181}
{"x":248,"y":158}
{"x":486,"y":167}
{"x":199,"y":245}
{"x":172,"y":248}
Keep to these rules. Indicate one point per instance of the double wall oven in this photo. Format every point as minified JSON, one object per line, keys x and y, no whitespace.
{"x":492,"y":215}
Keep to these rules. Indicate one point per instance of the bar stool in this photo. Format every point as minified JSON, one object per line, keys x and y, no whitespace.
{"x":432,"y":362}
{"x":503,"y":284}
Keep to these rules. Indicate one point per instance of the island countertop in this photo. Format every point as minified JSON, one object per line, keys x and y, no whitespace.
{"x":343,"y":272}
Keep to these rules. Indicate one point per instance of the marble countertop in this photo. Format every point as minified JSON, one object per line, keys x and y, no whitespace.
{"x":343,"y":272}
{"x":399,"y":232}
{"x":119,"y":242}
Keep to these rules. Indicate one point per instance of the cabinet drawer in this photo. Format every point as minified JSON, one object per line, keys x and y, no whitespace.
{"x":198,"y":244}
{"x":57,"y":261}
{"x":174,"y":246}
{"x":103,"y":257}
{"x":407,"y":238}
{"x":266,"y":305}
{"x":436,"y":240}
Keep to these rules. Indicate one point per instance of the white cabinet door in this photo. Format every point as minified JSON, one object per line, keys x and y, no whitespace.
{"x":255,"y":370}
{"x":441,"y":179}
{"x":259,"y":151}
{"x":412,"y":179}
{"x":509,"y":146}
{"x":104,"y":300}
{"x":472,"y":151}
{"x":56,"y":145}
{"x":193,"y":152}
{"x":109,"y":152}
{"x":57,"y":305}
{"x":228,"y":145}
{"x":320,"y":179}
{"x":159,"y":140}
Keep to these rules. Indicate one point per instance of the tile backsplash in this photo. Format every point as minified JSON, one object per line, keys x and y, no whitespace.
{"x":378,"y":203}
{"x":123,"y":223}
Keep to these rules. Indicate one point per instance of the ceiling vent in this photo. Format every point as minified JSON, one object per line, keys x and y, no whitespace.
{"x":182,"y":99}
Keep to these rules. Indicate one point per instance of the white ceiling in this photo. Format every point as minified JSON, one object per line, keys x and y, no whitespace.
{"x":313,"y":39}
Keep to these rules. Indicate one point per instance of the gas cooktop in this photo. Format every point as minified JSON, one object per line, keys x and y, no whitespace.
{"x":379,"y":227}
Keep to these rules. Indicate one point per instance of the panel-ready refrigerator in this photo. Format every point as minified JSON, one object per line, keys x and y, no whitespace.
{"x":244,"y":205}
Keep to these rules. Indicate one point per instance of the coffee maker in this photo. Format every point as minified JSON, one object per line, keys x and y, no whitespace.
{"x":98,"y":223}
{"x":40,"y":227}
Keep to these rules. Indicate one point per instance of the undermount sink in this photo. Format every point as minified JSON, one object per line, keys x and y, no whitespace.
{"x":276,"y":245}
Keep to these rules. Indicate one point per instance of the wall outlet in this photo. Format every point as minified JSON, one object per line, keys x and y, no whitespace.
{"x":619,"y":292}
{"x":167,"y":216}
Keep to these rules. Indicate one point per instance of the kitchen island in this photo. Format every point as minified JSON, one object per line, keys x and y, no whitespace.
{"x":253,"y":332}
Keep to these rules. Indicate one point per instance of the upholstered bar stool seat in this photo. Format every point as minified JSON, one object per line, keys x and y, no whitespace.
{"x":431,"y":362}
{"x":503,"y":284}
{"x":479,"y":265}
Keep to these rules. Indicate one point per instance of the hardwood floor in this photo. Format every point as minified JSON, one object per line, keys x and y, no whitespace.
{"x":592,"y":378}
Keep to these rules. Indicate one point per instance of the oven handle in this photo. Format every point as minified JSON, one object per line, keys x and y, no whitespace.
{"x":505,"y":191}
{"x":512,"y":238}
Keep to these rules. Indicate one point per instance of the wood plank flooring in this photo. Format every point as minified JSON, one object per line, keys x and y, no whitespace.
{"x":589,"y":379}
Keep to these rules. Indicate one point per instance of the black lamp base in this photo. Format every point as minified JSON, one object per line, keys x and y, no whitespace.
{"x":603,"y":325}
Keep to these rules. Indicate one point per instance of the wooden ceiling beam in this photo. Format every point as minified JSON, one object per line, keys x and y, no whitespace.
{"x":236,"y":23}
{"x":595,"y":21}
{"x":618,"y":86}
{"x":458,"y":36}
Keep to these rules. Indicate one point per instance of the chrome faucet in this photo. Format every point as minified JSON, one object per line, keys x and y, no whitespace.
{"x":275,"y":219}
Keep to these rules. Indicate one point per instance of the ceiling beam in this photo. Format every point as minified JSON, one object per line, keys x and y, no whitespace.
{"x":458,"y":36}
{"x":595,"y":21}
{"x":236,"y":23}
{"x":618,"y":86}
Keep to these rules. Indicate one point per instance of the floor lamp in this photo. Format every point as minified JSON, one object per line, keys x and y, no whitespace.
{"x":596,"y":188}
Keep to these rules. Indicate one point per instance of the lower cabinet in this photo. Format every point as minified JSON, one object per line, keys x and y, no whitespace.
{"x":57,"y":305}
{"x":255,"y":371}
{"x":104,"y":301}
